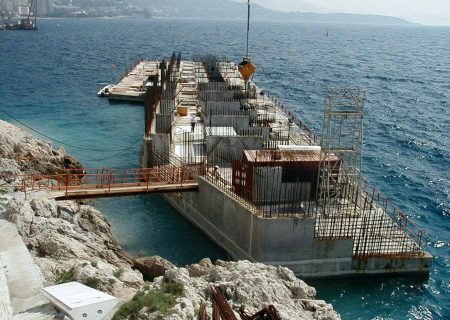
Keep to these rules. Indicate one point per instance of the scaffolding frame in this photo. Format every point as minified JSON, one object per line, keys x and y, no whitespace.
{"x":342,"y":136}
{"x":347,"y":206}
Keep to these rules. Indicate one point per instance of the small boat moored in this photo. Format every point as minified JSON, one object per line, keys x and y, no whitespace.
{"x":106,"y":90}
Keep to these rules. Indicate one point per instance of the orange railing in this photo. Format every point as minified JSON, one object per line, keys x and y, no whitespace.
{"x":110,"y":179}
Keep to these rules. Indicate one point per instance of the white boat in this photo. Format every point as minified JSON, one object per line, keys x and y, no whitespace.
{"x":106,"y":90}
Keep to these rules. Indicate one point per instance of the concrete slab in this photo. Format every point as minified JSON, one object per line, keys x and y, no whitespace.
{"x":6,"y":310}
{"x":45,"y":312}
{"x":23,"y":277}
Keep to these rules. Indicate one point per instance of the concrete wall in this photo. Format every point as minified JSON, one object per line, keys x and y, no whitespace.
{"x":164,"y":123}
{"x":229,"y":225}
{"x":144,"y":155}
{"x":255,"y":131}
{"x":167,"y":106}
{"x":389,"y":265}
{"x":216,"y":95}
{"x":288,"y":242}
{"x":282,"y":241}
{"x":237,"y":122}
{"x":219,"y":107}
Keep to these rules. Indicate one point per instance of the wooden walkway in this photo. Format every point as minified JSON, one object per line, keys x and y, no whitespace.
{"x":98,"y":183}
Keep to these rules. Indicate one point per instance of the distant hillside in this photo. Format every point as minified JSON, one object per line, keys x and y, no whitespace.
{"x":226,"y":9}
{"x":202,"y":9}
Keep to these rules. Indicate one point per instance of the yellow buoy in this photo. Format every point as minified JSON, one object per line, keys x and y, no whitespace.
{"x":246,"y":69}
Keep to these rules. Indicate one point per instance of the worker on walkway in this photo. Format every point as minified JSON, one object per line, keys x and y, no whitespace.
{"x":193,"y":124}
{"x":216,"y":172}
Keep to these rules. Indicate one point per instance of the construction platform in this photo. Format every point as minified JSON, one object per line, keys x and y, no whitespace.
{"x":269,"y":190}
{"x":132,"y":86}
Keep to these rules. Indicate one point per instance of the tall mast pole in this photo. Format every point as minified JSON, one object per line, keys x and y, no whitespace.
{"x":248,"y":25}
{"x":246,"y":68}
{"x":35,"y":12}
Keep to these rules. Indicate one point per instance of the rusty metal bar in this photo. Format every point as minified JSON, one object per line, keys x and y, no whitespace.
{"x":222,"y":308}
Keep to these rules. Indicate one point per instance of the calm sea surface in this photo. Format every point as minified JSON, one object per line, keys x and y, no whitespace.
{"x":49,"y":79}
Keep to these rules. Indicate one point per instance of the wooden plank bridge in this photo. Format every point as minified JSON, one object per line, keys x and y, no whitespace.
{"x":103,"y":182}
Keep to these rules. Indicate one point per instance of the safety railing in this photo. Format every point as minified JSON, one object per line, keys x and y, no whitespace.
{"x":398,"y":217}
{"x":112,"y":179}
{"x":362,"y":213}
{"x":312,"y":137}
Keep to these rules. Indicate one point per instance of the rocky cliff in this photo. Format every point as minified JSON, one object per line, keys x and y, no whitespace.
{"x":72,"y":241}
{"x":246,"y":285}
{"x":69,"y":240}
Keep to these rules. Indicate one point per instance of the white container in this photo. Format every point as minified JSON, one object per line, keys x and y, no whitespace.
{"x":80,"y":302}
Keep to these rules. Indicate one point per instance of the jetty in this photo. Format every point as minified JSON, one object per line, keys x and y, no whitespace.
{"x":270,"y":190}
{"x":134,"y":83}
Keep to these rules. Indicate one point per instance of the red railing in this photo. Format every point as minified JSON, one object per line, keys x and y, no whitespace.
{"x":110,"y":179}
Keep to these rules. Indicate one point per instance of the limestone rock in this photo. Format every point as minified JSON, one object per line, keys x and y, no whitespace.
{"x":152,"y":267}
{"x":22,"y":153}
{"x":82,"y":245}
{"x":253,"y":285}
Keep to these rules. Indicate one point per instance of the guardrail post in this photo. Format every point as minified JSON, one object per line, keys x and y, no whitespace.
{"x":67,"y":182}
{"x":24,"y":187}
{"x":110,"y":178}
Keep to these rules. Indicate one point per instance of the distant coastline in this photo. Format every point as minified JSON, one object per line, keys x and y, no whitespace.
{"x":204,"y":10}
{"x":319,"y":21}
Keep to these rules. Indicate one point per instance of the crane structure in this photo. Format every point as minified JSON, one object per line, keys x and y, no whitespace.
{"x":27,"y":19}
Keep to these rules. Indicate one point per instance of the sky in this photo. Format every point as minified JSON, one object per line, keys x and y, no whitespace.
{"x":433,"y":12}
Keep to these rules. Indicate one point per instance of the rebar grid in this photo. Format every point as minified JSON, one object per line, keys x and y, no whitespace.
{"x":346,"y":207}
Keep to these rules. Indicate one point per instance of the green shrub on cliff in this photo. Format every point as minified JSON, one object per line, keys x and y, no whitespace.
{"x":161,"y":300}
{"x":118,"y":273}
{"x":92,"y":282}
{"x":65,"y":276}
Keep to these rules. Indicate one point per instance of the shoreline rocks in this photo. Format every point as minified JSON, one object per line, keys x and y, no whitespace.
{"x":70,"y":241}
{"x":247,"y":285}
{"x":21,"y":153}
{"x":152,"y":267}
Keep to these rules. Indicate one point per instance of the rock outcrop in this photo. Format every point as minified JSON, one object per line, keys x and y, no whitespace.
{"x":252,"y":286}
{"x":152,"y":267}
{"x":21,"y":153}
{"x":71,"y":241}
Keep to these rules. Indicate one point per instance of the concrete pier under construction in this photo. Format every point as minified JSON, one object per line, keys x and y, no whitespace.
{"x":269,"y":189}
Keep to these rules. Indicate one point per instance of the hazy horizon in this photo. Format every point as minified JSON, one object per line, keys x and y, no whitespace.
{"x":431,"y":12}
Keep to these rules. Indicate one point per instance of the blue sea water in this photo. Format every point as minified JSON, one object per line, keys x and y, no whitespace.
{"x":49,"y":78}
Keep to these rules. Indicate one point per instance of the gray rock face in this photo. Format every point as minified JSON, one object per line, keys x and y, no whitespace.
{"x":245,"y":284}
{"x":74,"y":242}
{"x":22,"y":153}
{"x":152,"y":267}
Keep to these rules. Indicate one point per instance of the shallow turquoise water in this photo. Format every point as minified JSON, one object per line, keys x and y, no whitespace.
{"x":49,"y":78}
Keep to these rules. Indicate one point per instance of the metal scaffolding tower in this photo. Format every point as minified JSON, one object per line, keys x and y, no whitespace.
{"x":342,"y":136}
